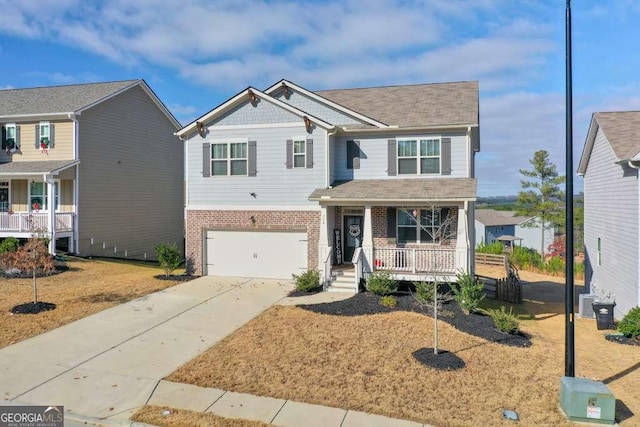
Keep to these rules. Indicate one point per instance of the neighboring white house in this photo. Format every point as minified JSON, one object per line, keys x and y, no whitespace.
{"x":504,"y":226}
{"x":92,"y":167}
{"x":609,"y":165}
{"x":284,"y":180}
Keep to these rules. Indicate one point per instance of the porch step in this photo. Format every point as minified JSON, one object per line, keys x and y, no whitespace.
{"x":342,"y":281}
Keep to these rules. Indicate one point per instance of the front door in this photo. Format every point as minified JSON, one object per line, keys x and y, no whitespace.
{"x":352,"y":236}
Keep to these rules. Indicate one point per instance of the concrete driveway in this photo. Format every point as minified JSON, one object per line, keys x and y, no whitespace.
{"x":108,"y":364}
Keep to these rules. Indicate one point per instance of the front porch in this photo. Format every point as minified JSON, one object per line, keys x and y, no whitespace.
{"x":25,"y":224}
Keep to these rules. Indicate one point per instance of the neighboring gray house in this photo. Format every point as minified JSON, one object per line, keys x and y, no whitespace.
{"x":609,"y":165}
{"x":344,"y":181}
{"x":91,"y":166}
{"x":505,"y":226}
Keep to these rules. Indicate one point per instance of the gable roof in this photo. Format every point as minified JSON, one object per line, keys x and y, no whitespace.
{"x":622,"y":129}
{"x":56,"y":100}
{"x":492,"y":217}
{"x":436,"y":104}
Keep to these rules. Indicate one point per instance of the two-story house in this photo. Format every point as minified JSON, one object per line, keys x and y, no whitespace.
{"x":509,"y":229}
{"x":284,"y":180}
{"x":91,"y":167}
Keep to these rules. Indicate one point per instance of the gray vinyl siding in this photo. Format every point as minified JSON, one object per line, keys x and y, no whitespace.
{"x":248,"y":114}
{"x":273,"y":185}
{"x":611,"y":214}
{"x":131,"y":178}
{"x":316,"y":109}
{"x":374,"y":157}
{"x":480,"y":233}
{"x":531,"y":237}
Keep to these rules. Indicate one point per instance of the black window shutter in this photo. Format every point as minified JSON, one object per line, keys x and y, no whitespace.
{"x":391,"y":223}
{"x":289,"y":159}
{"x":445,"y":153}
{"x":309,"y":153}
{"x":52,"y":132}
{"x":392,"y":156}
{"x":350,"y":145}
{"x":206,"y":159}
{"x":38,"y":137}
{"x":353,"y":154}
{"x":252,"y":153}
{"x":4,"y":138}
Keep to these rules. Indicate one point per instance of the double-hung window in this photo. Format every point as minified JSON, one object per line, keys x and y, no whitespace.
{"x":45,"y":135}
{"x":11,"y":137}
{"x":420,"y":226}
{"x":299,"y":153}
{"x":229,"y":158}
{"x":39,"y":196}
{"x":419,"y":156}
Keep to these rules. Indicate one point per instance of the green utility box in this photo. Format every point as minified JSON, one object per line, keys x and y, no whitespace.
{"x":586,"y":400}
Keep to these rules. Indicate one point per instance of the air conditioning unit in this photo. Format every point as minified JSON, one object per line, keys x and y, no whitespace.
{"x":584,"y":305}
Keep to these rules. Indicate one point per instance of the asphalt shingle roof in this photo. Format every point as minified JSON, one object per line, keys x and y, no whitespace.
{"x":56,"y":99}
{"x":491,"y":217}
{"x":409,"y":190}
{"x":413,"y":105}
{"x":36,"y":167}
{"x":622,"y":130}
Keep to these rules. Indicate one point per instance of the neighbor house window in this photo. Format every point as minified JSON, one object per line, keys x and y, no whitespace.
{"x":299,"y":153}
{"x":45,"y":134}
{"x":419,"y":156}
{"x":11,"y":137}
{"x":599,"y":252}
{"x":229,"y":158}
{"x":38,"y":196}
{"x":420,"y":226}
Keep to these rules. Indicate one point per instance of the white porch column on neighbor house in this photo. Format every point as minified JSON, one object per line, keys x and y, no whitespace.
{"x":367,"y":240}
{"x":462,"y":242}
{"x":323,"y":243}
{"x":51,"y":203}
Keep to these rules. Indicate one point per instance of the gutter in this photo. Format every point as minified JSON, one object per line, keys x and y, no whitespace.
{"x":63,"y":115}
{"x":391,"y":129}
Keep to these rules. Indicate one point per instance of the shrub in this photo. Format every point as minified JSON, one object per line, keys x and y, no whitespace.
{"x":381,"y":283}
{"x":505,"y":321}
{"x":554,"y":265}
{"x":494,"y":248}
{"x":10,"y":244}
{"x":389,"y":301}
{"x":629,"y":326}
{"x":468,"y":292}
{"x":168,"y":257}
{"x":307,"y":281}
{"x":523,"y":257}
{"x":425,"y":292}
{"x":558,"y":247}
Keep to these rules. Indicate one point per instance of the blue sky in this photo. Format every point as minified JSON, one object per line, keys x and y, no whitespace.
{"x":197,"y":54}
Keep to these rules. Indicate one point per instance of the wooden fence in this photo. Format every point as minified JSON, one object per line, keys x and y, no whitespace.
{"x":490,"y":259}
{"x":509,"y":290}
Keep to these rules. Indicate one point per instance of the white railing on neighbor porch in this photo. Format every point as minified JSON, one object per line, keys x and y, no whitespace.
{"x":356,"y":260}
{"x":327,"y":269}
{"x":21,"y":222}
{"x":415,"y":260}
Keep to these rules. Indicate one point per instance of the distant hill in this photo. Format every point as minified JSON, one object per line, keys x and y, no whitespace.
{"x":500,"y":203}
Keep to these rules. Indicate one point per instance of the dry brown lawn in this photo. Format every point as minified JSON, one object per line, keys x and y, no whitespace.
{"x":87,"y":287}
{"x":180,"y":418}
{"x":366,"y":363}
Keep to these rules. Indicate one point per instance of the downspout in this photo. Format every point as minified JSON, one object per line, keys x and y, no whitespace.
{"x":327,"y":157}
{"x":51,"y":201}
{"x":76,"y":185}
{"x":469,"y":150}
{"x":185,"y":179}
{"x":635,"y":165}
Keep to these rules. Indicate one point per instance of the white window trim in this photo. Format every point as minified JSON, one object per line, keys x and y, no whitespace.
{"x":302,"y":139}
{"x":416,"y":225}
{"x":15,"y":130}
{"x":48,"y":135}
{"x":418,"y":157}
{"x":45,"y":196}
{"x":228,"y":143}
{"x":7,"y":185}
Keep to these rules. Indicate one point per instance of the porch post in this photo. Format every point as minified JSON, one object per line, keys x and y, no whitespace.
{"x":51,"y":202}
{"x":462,"y":242}
{"x":367,"y":240}
{"x":323,"y":243}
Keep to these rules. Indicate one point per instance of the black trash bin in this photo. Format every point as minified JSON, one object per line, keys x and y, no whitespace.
{"x":604,"y":314}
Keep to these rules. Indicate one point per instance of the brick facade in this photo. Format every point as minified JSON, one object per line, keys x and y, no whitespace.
{"x":198,"y":222}
{"x":379,"y":229}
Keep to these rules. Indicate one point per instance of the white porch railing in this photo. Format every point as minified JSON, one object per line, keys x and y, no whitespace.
{"x":415,"y":260}
{"x":326,"y":278}
{"x":356,"y":260}
{"x":25,"y":222}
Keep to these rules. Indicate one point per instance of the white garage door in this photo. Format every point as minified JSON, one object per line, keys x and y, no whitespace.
{"x":268,"y":254}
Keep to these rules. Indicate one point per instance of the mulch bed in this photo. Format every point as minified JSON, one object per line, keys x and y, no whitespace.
{"x":443,"y":361}
{"x":621,"y":339}
{"x":33,"y":308}
{"x":475,"y":324}
{"x":175,"y":277}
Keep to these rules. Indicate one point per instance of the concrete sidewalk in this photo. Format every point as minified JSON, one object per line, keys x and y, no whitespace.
{"x":278,"y":412}
{"x":108,"y":364}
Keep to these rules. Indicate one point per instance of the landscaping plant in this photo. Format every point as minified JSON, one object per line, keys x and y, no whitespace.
{"x":381,"y":283}
{"x":168,"y":257}
{"x":468,"y":292}
{"x":33,"y":256}
{"x":505,"y":321}
{"x":494,"y":248}
{"x":629,"y":326}
{"x":307,"y":281}
{"x":389,"y":301}
{"x":10,"y":244}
